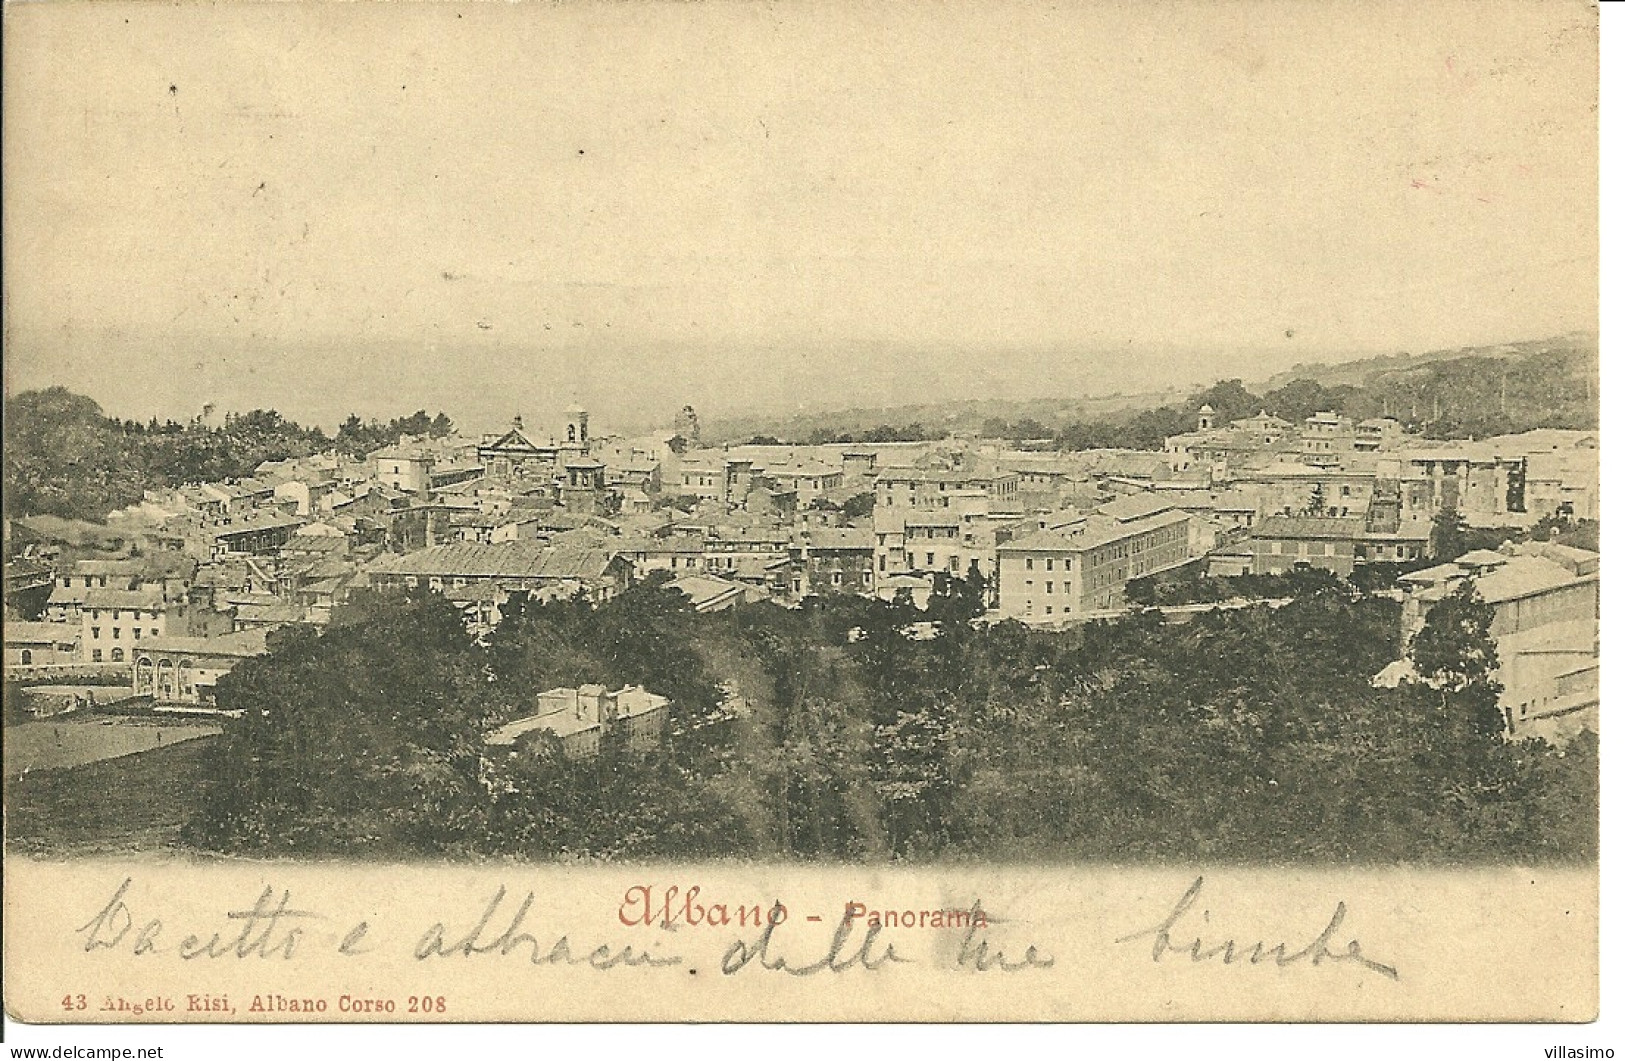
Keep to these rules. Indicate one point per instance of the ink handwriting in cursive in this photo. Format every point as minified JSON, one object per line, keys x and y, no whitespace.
{"x":974,"y":950}
{"x":1318,"y":950}
{"x":433,"y":943}
{"x":739,"y":955}
{"x":264,"y":932}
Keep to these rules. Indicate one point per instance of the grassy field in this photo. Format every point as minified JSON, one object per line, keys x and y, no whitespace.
{"x":136,"y":802}
{"x":53,"y":744}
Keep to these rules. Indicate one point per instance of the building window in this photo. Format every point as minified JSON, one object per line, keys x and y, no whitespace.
{"x":1049,"y":587}
{"x":116,"y":632}
{"x":1049,"y":564}
{"x":118,"y":655}
{"x":95,"y":655}
{"x":1029,"y":563}
{"x":95,"y":633}
{"x":930,"y":559}
{"x":1066,"y":587}
{"x":154,"y":631}
{"x":28,"y":657}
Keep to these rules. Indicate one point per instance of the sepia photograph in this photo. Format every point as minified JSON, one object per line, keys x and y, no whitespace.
{"x":656,"y":512}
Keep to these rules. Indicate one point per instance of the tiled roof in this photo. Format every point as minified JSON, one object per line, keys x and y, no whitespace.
{"x":843,"y":538}
{"x":74,"y":594}
{"x":503,"y":560}
{"x":1044,"y":541}
{"x":1520,"y":577}
{"x":242,"y":644}
{"x":1137,"y":506}
{"x":1310,"y":527}
{"x":111,"y":568}
{"x":24,"y":633}
{"x":149,"y":599}
{"x":255,"y":521}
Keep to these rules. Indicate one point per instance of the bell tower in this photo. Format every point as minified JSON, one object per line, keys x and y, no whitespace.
{"x":575,"y":427}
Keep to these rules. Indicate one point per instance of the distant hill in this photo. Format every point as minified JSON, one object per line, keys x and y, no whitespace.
{"x":1470,"y":392}
{"x":1366,"y":371}
{"x":1467,"y":392}
{"x":965,"y":417}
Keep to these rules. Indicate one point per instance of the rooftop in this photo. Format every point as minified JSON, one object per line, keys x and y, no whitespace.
{"x":1310,"y":527}
{"x":241,"y":645}
{"x":146,"y":599}
{"x":24,"y":633}
{"x":503,"y":560}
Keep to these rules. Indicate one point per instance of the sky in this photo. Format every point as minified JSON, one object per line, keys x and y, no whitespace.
{"x":498,"y":208}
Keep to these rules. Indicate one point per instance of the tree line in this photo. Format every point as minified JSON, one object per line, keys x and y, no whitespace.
{"x":840,"y":730}
{"x":65,"y":457}
{"x":1465,"y":397}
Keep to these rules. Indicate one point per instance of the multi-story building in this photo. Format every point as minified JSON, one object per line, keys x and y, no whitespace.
{"x":114,"y":622}
{"x":41,"y":644}
{"x":404,"y":467}
{"x":179,"y":672}
{"x":1473,"y":478}
{"x":1327,"y":437}
{"x":1281,"y":544}
{"x":836,"y":560}
{"x":701,"y":476}
{"x":1561,"y":470}
{"x":513,"y":567}
{"x":1545,"y":601}
{"x":518,"y":454}
{"x":923,"y":488}
{"x":1377,"y":434}
{"x":579,"y":718}
{"x":1055,"y":576}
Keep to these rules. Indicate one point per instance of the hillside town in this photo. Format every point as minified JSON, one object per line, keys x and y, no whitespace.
{"x":190,"y":581}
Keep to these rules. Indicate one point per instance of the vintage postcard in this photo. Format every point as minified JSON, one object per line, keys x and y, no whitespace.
{"x":958,"y":512}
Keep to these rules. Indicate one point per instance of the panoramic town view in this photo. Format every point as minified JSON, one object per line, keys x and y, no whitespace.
{"x":1014,"y":433}
{"x":1348,"y":614}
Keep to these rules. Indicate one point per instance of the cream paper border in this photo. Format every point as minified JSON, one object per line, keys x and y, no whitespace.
{"x":1503,"y":944}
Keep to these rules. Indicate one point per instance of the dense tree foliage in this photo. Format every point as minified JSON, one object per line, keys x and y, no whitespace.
{"x":1465,"y":397}
{"x":356,"y":438}
{"x":64,"y":457}
{"x":914,"y":432}
{"x":364,"y":740}
{"x":851,"y":729}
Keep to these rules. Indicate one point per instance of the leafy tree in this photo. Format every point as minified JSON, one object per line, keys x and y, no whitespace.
{"x":1455,"y":652}
{"x":1317,"y":501}
{"x":1450,"y":535}
{"x":348,"y":742}
{"x":858,"y":506}
{"x":955,"y":599}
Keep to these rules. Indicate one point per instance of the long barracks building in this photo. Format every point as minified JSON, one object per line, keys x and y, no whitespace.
{"x":1053,"y":576}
